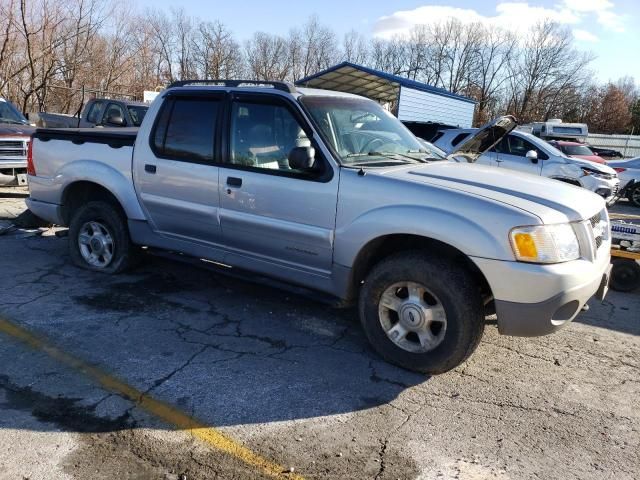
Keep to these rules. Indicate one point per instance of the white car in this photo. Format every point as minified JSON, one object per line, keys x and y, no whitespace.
{"x":629,"y":173}
{"x":528,"y":153}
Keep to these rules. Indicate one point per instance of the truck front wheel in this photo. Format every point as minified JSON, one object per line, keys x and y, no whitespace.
{"x":421,"y":312}
{"x":99,"y":238}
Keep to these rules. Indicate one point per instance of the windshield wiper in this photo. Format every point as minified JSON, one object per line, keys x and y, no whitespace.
{"x":11,"y":121}
{"x":389,"y":155}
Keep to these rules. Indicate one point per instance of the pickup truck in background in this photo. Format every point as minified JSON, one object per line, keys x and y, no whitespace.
{"x":98,"y":112}
{"x":329,"y":191}
{"x":15,"y":134}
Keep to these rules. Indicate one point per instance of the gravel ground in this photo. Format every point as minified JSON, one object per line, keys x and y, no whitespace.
{"x":291,"y":380}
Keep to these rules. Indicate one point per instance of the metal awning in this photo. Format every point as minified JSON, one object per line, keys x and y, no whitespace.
{"x":365,"y":81}
{"x":347,"y":78}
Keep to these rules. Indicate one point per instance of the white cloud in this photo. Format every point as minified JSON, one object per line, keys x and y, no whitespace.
{"x":584,"y":35}
{"x":611,"y":20}
{"x":515,"y":16}
{"x":588,"y":5}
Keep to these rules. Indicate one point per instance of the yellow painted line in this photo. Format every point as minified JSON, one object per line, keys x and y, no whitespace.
{"x":164,"y":411}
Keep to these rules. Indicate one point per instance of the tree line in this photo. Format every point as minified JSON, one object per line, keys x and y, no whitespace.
{"x":50,"y":48}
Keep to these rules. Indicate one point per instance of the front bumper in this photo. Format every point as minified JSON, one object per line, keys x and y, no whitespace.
{"x":13,"y":172}
{"x":606,"y":188}
{"x":533,"y":300}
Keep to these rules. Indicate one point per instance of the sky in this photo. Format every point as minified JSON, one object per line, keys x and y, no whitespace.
{"x":608,"y":28}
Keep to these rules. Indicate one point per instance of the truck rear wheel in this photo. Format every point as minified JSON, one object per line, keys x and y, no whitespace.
{"x":99,"y":238}
{"x":421,"y":312}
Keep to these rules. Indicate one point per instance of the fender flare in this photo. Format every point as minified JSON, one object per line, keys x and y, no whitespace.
{"x":112,"y":180}
{"x":432,"y":223}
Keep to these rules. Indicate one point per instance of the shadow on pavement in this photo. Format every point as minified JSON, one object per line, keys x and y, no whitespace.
{"x":229,"y":352}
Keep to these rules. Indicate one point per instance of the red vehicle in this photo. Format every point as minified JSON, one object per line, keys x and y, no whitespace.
{"x":577,"y":150}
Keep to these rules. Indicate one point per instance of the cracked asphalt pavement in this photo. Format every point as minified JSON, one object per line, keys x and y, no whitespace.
{"x":291,"y":380}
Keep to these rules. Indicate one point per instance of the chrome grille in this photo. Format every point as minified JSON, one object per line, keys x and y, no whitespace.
{"x":13,"y":148}
{"x":599,"y":228}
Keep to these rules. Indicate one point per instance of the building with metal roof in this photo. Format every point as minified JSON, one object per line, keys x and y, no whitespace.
{"x":411,"y":101}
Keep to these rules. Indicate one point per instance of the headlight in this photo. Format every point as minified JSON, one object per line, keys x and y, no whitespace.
{"x":597,"y":174}
{"x":545,"y":243}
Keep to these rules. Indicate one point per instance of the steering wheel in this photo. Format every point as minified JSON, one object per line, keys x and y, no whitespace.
{"x":365,"y":148}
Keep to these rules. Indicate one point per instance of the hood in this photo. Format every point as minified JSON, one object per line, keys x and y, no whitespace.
{"x":10,"y":130}
{"x":550,"y":200}
{"x":598,"y":167}
{"x":485,"y":138}
{"x":590,"y":158}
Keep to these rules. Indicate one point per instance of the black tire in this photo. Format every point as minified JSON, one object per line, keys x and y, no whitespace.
{"x":456,"y":291}
{"x":625,"y":275}
{"x":634,"y":195}
{"x":124,"y":252}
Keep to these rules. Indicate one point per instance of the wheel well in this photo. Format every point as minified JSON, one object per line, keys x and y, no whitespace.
{"x":382,"y":247}
{"x":79,"y":193}
{"x":570,"y":181}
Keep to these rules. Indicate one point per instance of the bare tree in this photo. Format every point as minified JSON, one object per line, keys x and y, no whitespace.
{"x":216,"y":52}
{"x":355,"y":48}
{"x":490,"y":73}
{"x":546,"y":68}
{"x":267,"y":57}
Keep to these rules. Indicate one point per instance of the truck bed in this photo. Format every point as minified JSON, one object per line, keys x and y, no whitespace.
{"x":62,"y":156}
{"x":115,"y":138}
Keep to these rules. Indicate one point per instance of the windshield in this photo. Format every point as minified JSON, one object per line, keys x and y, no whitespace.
{"x":363,"y":133}
{"x":576,"y":150}
{"x":551,"y":149}
{"x":137,"y":114}
{"x":10,"y":114}
{"x":432,"y":151}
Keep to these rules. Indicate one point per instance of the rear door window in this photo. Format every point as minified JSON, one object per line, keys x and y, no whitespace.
{"x":185,"y":129}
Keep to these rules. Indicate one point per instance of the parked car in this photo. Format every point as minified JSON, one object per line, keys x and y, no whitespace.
{"x":100,"y":112}
{"x":15,"y":133}
{"x":606,"y":153}
{"x":629,"y":172}
{"x":577,"y":150}
{"x":329,"y":191}
{"x":527,"y":153}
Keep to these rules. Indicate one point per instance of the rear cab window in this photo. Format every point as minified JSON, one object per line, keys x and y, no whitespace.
{"x":94,"y":112}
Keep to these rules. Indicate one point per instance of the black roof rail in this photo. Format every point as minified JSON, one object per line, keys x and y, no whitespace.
{"x":283,"y":86}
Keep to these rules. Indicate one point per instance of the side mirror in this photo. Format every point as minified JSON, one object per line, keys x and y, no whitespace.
{"x":532,"y":155}
{"x":302,"y":158}
{"x":116,"y":120}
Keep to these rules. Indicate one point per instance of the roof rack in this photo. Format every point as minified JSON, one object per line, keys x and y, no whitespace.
{"x":284,"y":86}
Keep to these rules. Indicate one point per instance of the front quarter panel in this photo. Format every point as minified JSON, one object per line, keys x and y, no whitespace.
{"x":373,"y":206}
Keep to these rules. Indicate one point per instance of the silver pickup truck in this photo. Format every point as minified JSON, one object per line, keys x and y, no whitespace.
{"x":329,"y":191}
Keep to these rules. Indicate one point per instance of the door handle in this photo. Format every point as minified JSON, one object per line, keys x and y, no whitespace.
{"x":234,"y":181}
{"x":150,"y":168}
